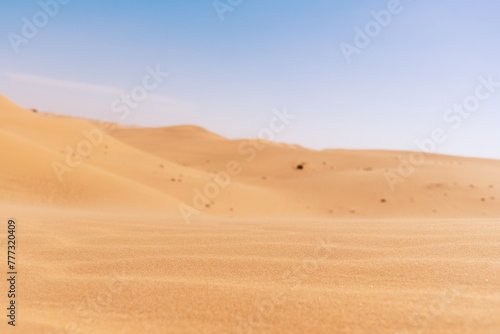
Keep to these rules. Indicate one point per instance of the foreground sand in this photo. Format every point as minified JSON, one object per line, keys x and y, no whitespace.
{"x":111,"y":274}
{"x":123,"y":243}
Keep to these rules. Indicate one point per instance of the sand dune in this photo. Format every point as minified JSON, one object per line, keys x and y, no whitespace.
{"x":180,"y":230}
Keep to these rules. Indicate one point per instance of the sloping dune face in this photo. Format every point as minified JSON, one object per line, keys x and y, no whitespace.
{"x":338,"y":182}
{"x":190,"y":172}
{"x":180,"y":230}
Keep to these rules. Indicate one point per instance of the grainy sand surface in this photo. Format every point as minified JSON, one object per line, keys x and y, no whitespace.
{"x":327,"y":249}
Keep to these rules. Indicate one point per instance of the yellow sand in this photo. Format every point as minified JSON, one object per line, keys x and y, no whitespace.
{"x":116,"y":245}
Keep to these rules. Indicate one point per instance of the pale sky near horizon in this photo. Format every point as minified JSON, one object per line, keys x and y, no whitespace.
{"x":229,"y":75}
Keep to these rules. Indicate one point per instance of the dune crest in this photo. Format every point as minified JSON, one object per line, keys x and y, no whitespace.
{"x":181,"y":164}
{"x":179,"y":230}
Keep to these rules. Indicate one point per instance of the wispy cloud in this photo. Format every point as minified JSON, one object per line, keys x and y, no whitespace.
{"x":156,"y":104}
{"x":66,"y":84}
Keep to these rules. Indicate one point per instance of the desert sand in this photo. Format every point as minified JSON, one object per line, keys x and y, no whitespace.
{"x":139,"y":230}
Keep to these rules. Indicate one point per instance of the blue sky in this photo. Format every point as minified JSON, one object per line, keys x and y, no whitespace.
{"x":228,"y":75}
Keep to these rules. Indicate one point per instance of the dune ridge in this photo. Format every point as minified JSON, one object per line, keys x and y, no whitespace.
{"x":147,"y":234}
{"x":173,"y":162}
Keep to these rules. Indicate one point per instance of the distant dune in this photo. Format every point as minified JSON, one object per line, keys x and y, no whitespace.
{"x":161,"y":168}
{"x":180,"y":230}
